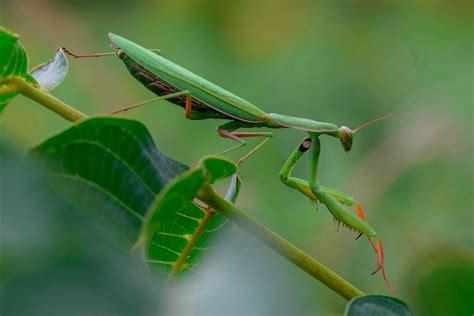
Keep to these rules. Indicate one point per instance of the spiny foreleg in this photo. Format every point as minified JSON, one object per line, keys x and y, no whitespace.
{"x":334,"y":200}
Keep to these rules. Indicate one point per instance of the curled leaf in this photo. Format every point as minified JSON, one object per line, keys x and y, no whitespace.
{"x":53,"y":72}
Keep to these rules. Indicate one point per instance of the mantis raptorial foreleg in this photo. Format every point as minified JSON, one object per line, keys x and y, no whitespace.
{"x":227,"y":131}
{"x":329,"y":197}
{"x":303,"y":185}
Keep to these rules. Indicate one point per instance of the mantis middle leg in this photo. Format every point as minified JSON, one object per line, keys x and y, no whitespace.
{"x":185,"y":93}
{"x":227,"y":131}
{"x":303,"y":185}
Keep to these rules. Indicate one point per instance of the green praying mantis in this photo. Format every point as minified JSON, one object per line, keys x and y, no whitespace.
{"x":202,"y":99}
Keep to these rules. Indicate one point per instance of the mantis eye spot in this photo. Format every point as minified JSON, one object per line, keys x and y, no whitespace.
{"x":305,"y":145}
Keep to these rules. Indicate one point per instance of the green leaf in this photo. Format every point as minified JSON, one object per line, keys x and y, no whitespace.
{"x":13,"y":58}
{"x":217,"y":168}
{"x":13,"y":62}
{"x":376,"y":305}
{"x":113,"y":162}
{"x":116,"y":167}
{"x":177,"y":230}
{"x":59,"y":260}
{"x":53,"y":72}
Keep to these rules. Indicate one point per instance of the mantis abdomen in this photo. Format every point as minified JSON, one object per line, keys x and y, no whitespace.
{"x":160,"y":87}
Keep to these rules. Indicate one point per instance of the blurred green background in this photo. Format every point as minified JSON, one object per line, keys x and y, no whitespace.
{"x":344,"y":62}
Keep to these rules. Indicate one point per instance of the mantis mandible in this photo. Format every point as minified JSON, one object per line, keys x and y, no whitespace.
{"x":202,"y":99}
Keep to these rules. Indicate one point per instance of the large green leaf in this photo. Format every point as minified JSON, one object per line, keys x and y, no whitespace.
{"x":377,"y":305}
{"x":115,"y":166}
{"x":59,"y":260}
{"x":111,"y":161}
{"x":177,"y":231}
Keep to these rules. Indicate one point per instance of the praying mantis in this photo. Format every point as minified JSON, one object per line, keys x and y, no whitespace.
{"x":202,"y":99}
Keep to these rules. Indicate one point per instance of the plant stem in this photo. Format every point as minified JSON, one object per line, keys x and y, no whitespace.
{"x":47,"y":100}
{"x":4,"y":90}
{"x":279,"y":244}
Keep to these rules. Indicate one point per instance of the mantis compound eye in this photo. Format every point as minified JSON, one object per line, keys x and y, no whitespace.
{"x":346,"y":136}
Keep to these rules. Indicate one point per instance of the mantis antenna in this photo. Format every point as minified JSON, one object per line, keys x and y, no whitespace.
{"x":380,"y":119}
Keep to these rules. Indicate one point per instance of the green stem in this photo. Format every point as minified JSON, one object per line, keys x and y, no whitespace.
{"x":47,"y":100}
{"x":4,"y":90}
{"x":279,"y":244}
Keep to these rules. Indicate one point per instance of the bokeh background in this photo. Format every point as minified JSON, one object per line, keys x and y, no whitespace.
{"x":344,"y":62}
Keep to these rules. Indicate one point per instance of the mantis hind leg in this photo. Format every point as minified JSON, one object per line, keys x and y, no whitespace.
{"x":227,"y":131}
{"x":185,"y":93}
{"x":96,"y":55}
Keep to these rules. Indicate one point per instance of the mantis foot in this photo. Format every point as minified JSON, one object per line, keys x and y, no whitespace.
{"x":377,"y":246}
{"x":380,"y":267}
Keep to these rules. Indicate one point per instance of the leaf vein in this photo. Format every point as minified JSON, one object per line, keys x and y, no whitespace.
{"x":189,"y":217}
{"x":166,"y":248}
{"x":102,"y":189}
{"x":117,"y":156}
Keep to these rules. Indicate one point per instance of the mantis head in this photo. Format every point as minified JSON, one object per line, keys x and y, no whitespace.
{"x":346,"y":135}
